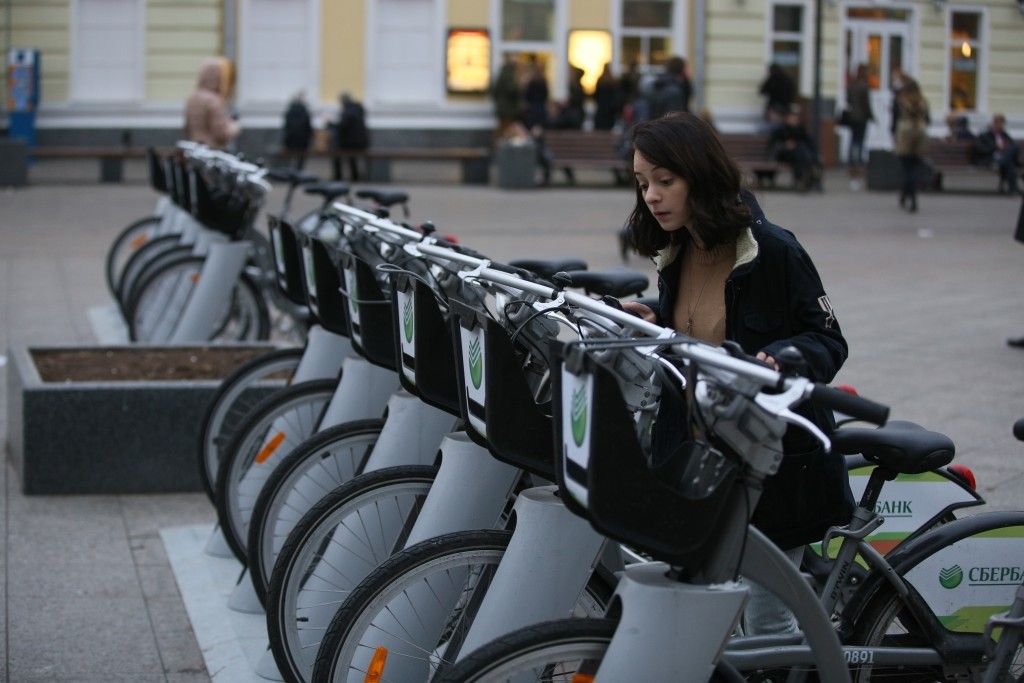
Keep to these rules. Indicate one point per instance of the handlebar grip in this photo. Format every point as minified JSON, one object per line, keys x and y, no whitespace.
{"x":848,"y":404}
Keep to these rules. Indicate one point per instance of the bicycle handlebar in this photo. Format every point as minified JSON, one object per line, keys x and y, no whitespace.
{"x":848,"y":404}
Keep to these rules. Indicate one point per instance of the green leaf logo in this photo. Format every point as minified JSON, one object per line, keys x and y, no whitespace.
{"x":951,"y":577}
{"x":579,"y":415}
{"x":476,"y":365}
{"x":408,"y":320}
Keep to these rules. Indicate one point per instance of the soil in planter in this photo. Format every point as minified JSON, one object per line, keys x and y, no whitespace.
{"x":140,"y":365}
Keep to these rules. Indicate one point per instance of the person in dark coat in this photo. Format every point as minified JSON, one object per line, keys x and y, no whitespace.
{"x":535,"y":96}
{"x":297,"y":133}
{"x":505,"y":93}
{"x":671,"y":91}
{"x":791,"y":144}
{"x":350,"y":134}
{"x":779,"y":91}
{"x":995,"y":147}
{"x":726,"y":273}
{"x":858,"y":104}
{"x":607,"y":97}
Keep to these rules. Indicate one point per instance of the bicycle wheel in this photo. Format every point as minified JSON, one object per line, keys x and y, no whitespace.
{"x":139,"y":260}
{"x":340,"y":541}
{"x":274,"y":427}
{"x":161,"y":296}
{"x":240,"y":391}
{"x":130,"y":240}
{"x":316,"y":467}
{"x":553,"y":652}
{"x":420,"y":605}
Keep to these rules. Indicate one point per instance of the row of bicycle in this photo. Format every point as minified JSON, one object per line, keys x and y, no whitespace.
{"x":457,"y":460}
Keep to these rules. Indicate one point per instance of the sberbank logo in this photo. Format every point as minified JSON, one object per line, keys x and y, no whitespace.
{"x":409,"y":323}
{"x":894,"y":508}
{"x":950,"y":577}
{"x":476,"y":365}
{"x":579,"y":415}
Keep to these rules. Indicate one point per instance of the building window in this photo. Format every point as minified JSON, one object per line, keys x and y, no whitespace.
{"x":527,"y":20}
{"x":276,"y":49}
{"x":107,"y":50}
{"x":964,"y":48}
{"x":788,"y":40}
{"x":646,"y":36}
{"x":468,"y":61}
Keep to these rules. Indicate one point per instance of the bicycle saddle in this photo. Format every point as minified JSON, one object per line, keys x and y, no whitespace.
{"x":899,"y":446}
{"x":615,"y":283}
{"x":384,"y":198}
{"x":292,"y":176}
{"x":328,"y":190}
{"x":547,"y":268}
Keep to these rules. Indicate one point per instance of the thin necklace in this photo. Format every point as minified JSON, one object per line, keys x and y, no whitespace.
{"x":691,"y":310}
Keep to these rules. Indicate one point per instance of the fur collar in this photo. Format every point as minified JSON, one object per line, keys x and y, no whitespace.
{"x":746,"y":251}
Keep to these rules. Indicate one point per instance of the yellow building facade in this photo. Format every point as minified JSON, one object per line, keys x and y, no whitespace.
{"x":426,"y":64}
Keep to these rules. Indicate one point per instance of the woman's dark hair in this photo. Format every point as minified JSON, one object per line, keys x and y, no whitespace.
{"x":688,"y":147}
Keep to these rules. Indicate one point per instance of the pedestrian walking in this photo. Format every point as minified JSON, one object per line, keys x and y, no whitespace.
{"x":207,"y":120}
{"x":607,"y":98}
{"x":859,"y":114}
{"x":911,"y":139}
{"x":505,"y":93}
{"x":535,"y":96}
{"x":779,"y":91}
{"x":672,"y":90}
{"x":297,"y":131}
{"x":719,"y":259}
{"x":350,"y":135}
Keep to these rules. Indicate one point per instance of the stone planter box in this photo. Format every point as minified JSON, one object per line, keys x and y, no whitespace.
{"x":112,"y":420}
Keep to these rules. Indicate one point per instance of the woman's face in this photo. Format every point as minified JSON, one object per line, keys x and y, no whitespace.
{"x":664,"y":193}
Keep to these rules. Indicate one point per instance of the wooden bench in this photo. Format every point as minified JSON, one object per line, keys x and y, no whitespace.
{"x":571,"y":149}
{"x":954,"y":155}
{"x":750,"y":152}
{"x":475,"y":161}
{"x":111,"y":158}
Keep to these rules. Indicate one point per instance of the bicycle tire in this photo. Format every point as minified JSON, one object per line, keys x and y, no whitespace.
{"x":142,"y":256}
{"x":233,"y":400}
{"x":548,"y":644}
{"x":306,"y":584}
{"x":317,"y":466}
{"x":130,"y":289}
{"x":429,"y":571}
{"x":131,"y":238}
{"x":300,"y":407}
{"x":585,"y":640}
{"x":162,"y":295}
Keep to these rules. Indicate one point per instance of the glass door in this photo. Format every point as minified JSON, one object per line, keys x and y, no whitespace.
{"x":882,"y":46}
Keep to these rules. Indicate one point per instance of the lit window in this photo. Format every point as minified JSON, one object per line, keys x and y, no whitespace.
{"x":590,"y":51}
{"x":964,"y":48}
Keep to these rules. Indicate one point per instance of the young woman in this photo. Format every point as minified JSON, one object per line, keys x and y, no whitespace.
{"x":727,"y":273}
{"x":911,"y":139}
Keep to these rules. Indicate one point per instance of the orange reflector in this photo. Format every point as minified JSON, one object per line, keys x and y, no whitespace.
{"x":582,"y":678}
{"x":271,"y":446}
{"x":375,"y":671}
{"x":195,"y":277}
{"x":139,"y":241}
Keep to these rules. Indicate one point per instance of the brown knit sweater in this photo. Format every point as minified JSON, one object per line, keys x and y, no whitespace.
{"x":700,"y":306}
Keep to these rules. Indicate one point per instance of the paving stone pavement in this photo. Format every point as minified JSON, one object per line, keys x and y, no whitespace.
{"x":926,"y":302}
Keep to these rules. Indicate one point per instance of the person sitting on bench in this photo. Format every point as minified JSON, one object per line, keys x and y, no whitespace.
{"x":790,"y":144}
{"x":995,"y":147}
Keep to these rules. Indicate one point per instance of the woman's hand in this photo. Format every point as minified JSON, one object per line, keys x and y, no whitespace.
{"x":762,"y":356}
{"x":639,"y":310}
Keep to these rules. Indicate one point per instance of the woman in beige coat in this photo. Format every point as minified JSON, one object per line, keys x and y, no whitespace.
{"x":911,"y":139}
{"x":206,"y":112}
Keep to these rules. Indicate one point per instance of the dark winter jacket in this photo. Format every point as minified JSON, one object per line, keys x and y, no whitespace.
{"x":351,"y":132}
{"x":774,"y":298}
{"x":298,"y":128}
{"x":670,"y":94}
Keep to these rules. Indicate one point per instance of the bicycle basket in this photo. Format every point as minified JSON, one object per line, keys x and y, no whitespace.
{"x":603,"y":470}
{"x":287,"y":266}
{"x":322,"y":284}
{"x":424,"y":344}
{"x":369,"y":311}
{"x":498,"y":404}
{"x":157,"y":174}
